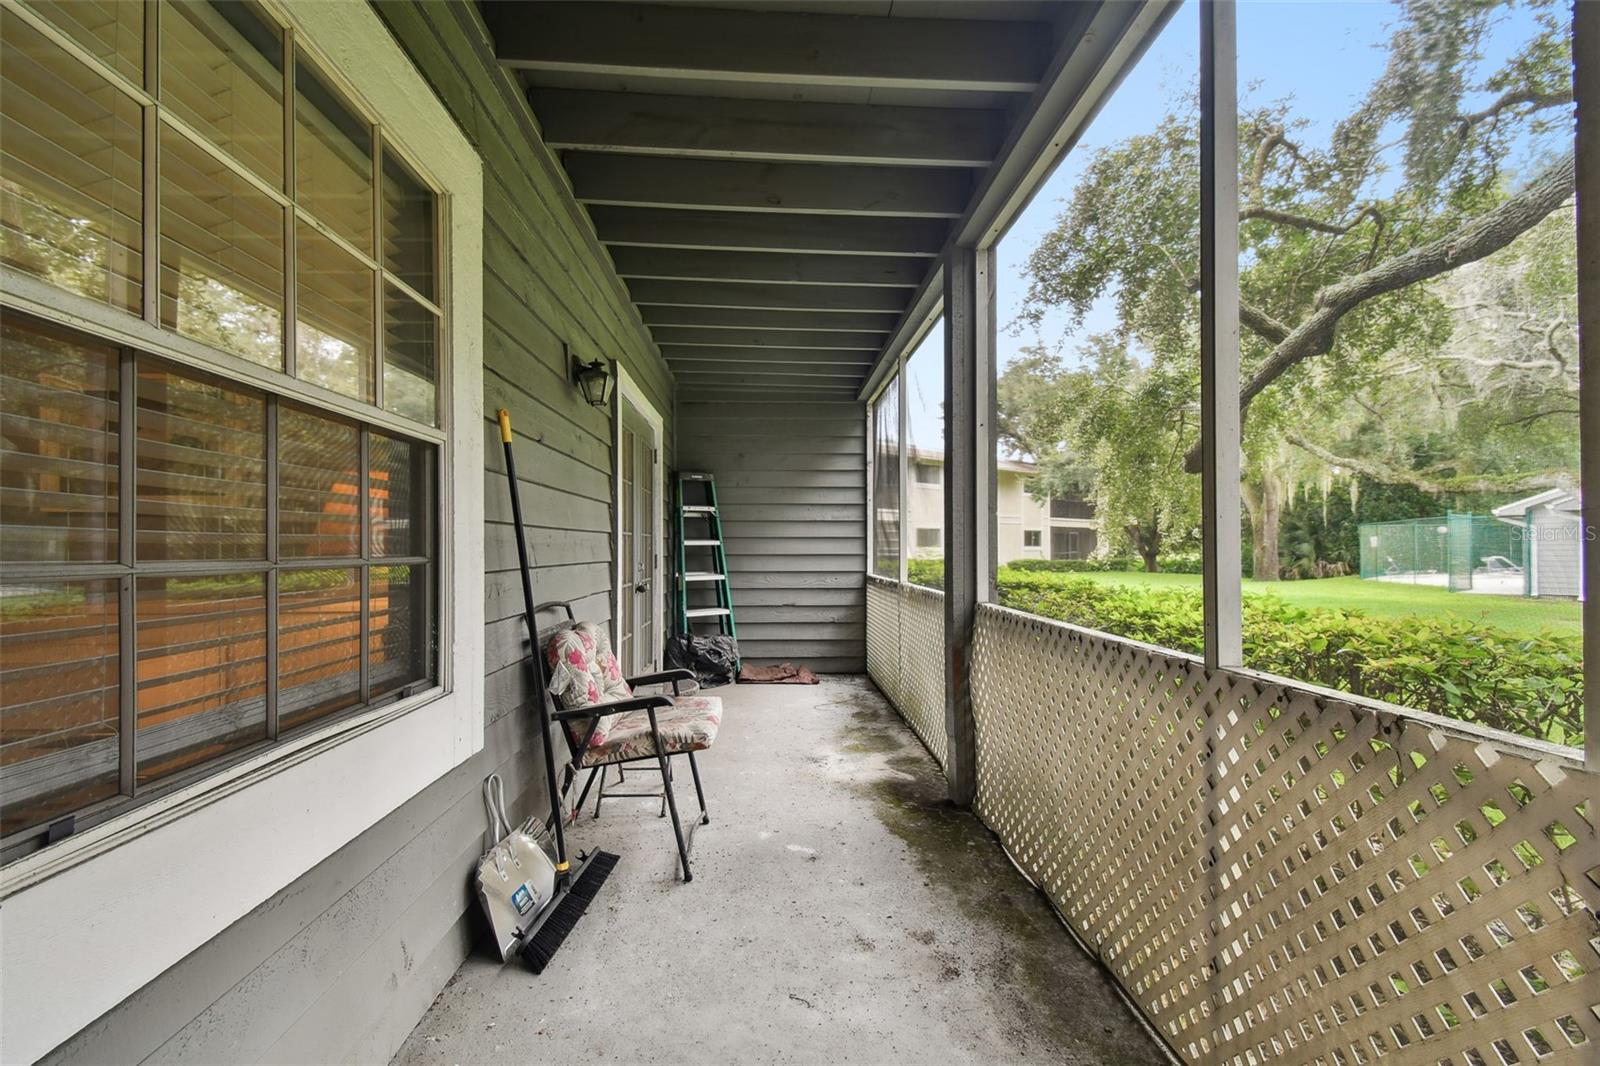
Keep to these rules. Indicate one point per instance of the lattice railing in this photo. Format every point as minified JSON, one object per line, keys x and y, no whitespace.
{"x":1279,"y":876}
{"x":905,"y":655}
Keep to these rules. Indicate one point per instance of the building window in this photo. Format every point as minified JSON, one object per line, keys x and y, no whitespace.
{"x":929,"y":538}
{"x":194,"y":567}
{"x":1031,"y":538}
{"x":928,"y":473}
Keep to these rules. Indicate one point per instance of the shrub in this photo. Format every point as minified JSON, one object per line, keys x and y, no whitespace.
{"x":1459,"y":669}
{"x":928,"y":572}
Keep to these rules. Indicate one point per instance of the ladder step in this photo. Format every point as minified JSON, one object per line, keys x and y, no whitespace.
{"x":701,"y":543}
{"x":700,"y":508}
{"x":701,"y":575}
{"x":708,"y":612}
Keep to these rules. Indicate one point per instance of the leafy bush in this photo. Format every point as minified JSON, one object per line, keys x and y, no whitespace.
{"x":1459,"y":669}
{"x":928,"y":572}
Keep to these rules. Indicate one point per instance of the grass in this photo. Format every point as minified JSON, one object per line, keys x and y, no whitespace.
{"x":1382,"y":599}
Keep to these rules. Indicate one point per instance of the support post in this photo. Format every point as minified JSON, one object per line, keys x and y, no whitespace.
{"x":969,"y":497}
{"x":1219,"y":333}
{"x":1586,"y":85}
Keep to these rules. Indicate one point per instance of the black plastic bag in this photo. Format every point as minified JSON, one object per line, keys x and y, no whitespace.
{"x":713,"y":660}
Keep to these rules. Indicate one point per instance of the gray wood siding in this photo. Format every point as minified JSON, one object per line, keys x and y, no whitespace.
{"x":791,"y":482}
{"x":341,"y":964}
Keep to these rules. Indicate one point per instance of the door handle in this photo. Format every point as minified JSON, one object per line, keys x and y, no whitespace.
{"x":643,"y":586}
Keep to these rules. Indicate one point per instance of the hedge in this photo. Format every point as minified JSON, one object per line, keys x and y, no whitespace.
{"x":1448,"y":666}
{"x":1460,"y":669}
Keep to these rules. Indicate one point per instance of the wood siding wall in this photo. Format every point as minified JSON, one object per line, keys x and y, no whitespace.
{"x":341,"y":964}
{"x":791,"y":481}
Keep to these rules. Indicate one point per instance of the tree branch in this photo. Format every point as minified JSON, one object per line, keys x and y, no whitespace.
{"x":1476,"y":239}
{"x":1514,"y":98}
{"x":1390,"y":475}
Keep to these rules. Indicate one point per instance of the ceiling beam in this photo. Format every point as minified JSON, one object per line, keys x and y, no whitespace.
{"x":679,"y":355}
{"x":767,"y":319}
{"x":776,"y":130}
{"x":748,"y":231}
{"x":844,"y":384}
{"x":730,"y":185}
{"x":830,"y":298}
{"x":705,"y":337}
{"x":784,"y":268}
{"x":798,"y":48}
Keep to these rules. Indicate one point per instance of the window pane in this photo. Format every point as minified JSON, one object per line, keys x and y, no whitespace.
{"x":401,"y":635}
{"x":221,"y":255}
{"x":222,"y":72}
{"x":408,"y":210}
{"x":1413,"y":528}
{"x":410,"y":368}
{"x":70,"y":171}
{"x":924,"y":373}
{"x":110,"y":30}
{"x":319,"y":481}
{"x":886,"y":482}
{"x":58,"y":446}
{"x":401,"y":483}
{"x":334,"y":319}
{"x":58,"y":699}
{"x":333,"y":158}
{"x":319,"y":644}
{"x":202,"y":669}
{"x":201,"y":482}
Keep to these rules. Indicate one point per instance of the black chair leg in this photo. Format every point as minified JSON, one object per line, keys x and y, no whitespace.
{"x":700,"y":793}
{"x":583,"y":797}
{"x":599,"y":797}
{"x":672,"y":805}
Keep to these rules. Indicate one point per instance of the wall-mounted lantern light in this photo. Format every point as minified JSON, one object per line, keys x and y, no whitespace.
{"x":594,"y":380}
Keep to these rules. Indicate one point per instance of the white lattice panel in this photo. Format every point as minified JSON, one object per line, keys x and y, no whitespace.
{"x":905,"y":655}
{"x":1279,"y":877}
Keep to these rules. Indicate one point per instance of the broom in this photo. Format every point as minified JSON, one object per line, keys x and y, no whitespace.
{"x":575,"y":888}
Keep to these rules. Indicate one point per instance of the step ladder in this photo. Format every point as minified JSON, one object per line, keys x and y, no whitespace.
{"x":702,"y":556}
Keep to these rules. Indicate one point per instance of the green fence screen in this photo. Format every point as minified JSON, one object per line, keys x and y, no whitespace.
{"x":1461,"y":552}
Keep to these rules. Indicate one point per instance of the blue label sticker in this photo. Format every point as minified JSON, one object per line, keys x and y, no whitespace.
{"x":522,"y":899}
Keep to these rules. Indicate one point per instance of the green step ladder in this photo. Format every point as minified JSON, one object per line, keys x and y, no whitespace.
{"x":702,"y":555}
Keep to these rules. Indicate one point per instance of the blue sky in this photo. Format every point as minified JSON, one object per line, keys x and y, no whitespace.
{"x":1324,"y":53}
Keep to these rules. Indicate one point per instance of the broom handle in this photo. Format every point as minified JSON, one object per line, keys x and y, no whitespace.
{"x":533,"y":638}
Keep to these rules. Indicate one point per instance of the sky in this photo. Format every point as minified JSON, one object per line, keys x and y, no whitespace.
{"x":1324,"y":53}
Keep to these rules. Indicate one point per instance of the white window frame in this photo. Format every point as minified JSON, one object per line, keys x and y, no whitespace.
{"x":162,"y":878}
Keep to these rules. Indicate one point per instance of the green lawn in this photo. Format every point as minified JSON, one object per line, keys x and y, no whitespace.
{"x":1382,"y":599}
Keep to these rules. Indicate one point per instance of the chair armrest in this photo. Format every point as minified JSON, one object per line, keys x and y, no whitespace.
{"x":602,"y":710}
{"x":664,"y":676}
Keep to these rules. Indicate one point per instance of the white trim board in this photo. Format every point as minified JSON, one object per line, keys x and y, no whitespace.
{"x":91,"y":920}
{"x":628,"y":390}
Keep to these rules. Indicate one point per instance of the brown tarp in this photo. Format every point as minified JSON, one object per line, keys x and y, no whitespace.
{"x":782,"y":674}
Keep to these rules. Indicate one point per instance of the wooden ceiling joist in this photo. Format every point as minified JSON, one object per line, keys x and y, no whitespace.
{"x":795,"y":47}
{"x":745,"y":318}
{"x":679,"y":354}
{"x":826,"y":298}
{"x":714,"y":127}
{"x":784,"y":268}
{"x":736,"y":337}
{"x":809,"y":188}
{"x":750,"y":231}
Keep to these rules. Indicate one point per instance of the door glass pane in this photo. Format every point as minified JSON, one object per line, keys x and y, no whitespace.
{"x":401,"y":630}
{"x":332,"y":158}
{"x":401,"y":485}
{"x":408,"y":209}
{"x":319,"y":483}
{"x":319,"y":644}
{"x":221,"y":255}
{"x":70,"y":171}
{"x":58,"y":446}
{"x":201,"y":482}
{"x":110,"y":30}
{"x":58,"y":699}
{"x":202,"y":669}
{"x":334,"y":321}
{"x":410,"y":367}
{"x":222,"y":73}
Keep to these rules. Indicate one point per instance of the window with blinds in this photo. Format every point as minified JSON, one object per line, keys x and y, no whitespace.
{"x":192,"y":567}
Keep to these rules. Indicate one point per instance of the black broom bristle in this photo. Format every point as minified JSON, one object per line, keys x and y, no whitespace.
{"x":541,"y":947}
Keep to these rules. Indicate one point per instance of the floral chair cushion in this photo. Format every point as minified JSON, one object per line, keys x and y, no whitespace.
{"x":584,"y":672}
{"x":690,"y":724}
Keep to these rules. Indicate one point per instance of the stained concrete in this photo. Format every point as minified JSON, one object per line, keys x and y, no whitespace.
{"x":840,"y":912}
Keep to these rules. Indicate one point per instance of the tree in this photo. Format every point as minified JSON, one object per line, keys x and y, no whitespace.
{"x":1344,"y":245}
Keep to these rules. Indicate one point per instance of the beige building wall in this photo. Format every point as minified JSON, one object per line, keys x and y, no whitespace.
{"x":1017,"y":514}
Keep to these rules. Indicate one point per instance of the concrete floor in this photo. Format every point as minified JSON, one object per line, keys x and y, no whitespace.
{"x":840,"y":912}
